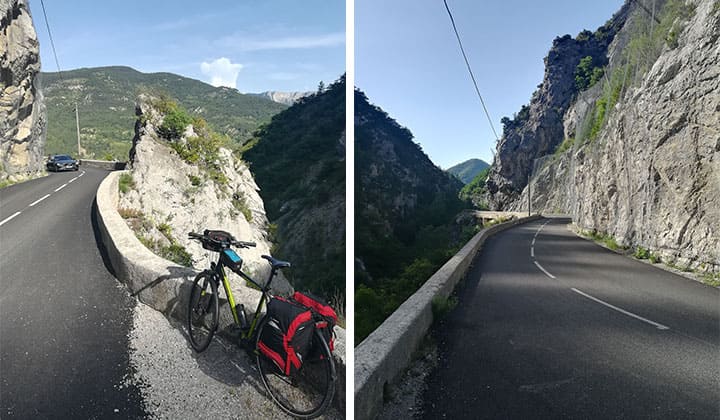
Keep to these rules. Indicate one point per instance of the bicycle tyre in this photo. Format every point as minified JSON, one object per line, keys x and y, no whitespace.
{"x":304,"y":397}
{"x":203,"y":311}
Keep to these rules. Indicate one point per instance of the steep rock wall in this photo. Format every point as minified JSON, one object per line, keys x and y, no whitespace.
{"x":175,"y":197}
{"x":538,"y":128}
{"x":22,"y":113}
{"x":652,"y":176}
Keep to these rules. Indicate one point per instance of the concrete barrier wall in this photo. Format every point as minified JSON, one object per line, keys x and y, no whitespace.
{"x":165,"y":285}
{"x":387,"y":351}
{"x":104,"y":164}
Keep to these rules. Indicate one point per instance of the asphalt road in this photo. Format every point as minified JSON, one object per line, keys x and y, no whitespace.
{"x":64,"y":318}
{"x":594,"y":335}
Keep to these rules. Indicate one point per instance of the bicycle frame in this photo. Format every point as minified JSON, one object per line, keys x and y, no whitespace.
{"x":219,"y":269}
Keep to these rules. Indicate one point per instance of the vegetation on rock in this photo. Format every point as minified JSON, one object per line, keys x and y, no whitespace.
{"x":298,"y":161}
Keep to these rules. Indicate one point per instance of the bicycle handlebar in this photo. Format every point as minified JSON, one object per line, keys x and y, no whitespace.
{"x":233,"y":241}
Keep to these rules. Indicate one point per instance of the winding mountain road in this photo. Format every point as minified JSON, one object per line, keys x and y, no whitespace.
{"x":553,"y":326}
{"x":64,"y":318}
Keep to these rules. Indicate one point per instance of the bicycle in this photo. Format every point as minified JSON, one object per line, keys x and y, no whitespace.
{"x":306,"y":393}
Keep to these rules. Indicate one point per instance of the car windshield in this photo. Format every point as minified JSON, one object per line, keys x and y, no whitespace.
{"x":63,"y":157}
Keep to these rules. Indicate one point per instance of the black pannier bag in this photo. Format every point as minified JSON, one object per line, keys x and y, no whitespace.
{"x":286,"y":338}
{"x":325,"y":315}
{"x":220,"y":240}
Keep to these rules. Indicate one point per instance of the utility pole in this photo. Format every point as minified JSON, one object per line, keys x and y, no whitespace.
{"x":529,"y":191}
{"x":77,"y":125}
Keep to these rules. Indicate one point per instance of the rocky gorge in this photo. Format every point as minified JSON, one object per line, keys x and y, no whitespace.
{"x":22,"y":112}
{"x":635,"y":155}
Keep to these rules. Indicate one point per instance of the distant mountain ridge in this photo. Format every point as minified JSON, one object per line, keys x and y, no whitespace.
{"x":285,"y":98}
{"x":106,"y":101}
{"x":468,"y":170}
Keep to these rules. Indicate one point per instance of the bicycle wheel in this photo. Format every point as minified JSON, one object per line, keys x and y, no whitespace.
{"x":203,"y":311}
{"x":308,"y":393}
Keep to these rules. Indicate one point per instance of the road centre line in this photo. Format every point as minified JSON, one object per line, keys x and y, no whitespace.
{"x":10,"y":218}
{"x":39,"y":200}
{"x":532,"y":251}
{"x":653,"y":323}
{"x":543,"y":270}
{"x":61,"y":187}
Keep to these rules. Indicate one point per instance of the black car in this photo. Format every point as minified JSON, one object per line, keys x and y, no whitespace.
{"x":62,"y":163}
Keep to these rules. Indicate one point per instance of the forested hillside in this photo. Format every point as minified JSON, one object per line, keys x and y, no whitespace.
{"x":298,"y":161}
{"x":105,"y":97}
{"x":405,"y":211}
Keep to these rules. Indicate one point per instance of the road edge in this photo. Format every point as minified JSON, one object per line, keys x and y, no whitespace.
{"x":387,"y":351}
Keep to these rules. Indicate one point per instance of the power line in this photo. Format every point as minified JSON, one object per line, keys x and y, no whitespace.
{"x":52,"y":43}
{"x":467,"y":63}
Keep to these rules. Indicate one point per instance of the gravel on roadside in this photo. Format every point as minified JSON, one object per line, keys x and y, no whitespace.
{"x":176,"y":383}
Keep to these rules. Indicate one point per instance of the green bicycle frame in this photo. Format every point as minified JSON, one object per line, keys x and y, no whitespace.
{"x":220,"y":270}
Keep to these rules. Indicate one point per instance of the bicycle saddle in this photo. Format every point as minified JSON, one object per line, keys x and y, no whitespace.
{"x":276,"y":263}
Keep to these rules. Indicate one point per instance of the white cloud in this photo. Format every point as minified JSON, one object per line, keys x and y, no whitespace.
{"x":244,"y":43}
{"x":222,"y":72}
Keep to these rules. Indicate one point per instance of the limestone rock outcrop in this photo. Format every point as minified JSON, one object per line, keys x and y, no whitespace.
{"x":170,"y":197}
{"x":22,"y":113}
{"x":651,"y":176}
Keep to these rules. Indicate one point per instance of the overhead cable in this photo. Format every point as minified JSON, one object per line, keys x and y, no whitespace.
{"x":467,"y":63}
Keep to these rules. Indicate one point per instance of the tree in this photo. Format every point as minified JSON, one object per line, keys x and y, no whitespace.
{"x":321,"y":87}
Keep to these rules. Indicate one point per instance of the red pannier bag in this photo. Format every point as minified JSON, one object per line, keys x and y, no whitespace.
{"x":327,"y":318}
{"x":287,"y":336}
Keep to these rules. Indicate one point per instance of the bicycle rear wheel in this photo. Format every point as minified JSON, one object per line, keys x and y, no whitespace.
{"x":308,"y":393}
{"x":203,"y":311}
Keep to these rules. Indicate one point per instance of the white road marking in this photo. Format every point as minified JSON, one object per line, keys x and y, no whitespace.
{"x":533,"y":242}
{"x":543,"y":270}
{"x":39,"y":200}
{"x":69,"y":182}
{"x":653,"y":323}
{"x":10,"y":218}
{"x":61,"y":187}
{"x":532,"y":251}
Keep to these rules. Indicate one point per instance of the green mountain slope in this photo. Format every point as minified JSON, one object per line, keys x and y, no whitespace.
{"x":405,"y":212}
{"x":298,"y":161}
{"x":468,"y":170}
{"x":106,"y":103}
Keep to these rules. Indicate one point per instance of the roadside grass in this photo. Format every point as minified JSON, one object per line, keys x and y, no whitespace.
{"x":126,"y":183}
{"x":442,"y":306}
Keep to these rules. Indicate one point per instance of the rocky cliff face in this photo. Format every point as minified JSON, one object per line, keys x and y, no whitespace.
{"x":649,"y":174}
{"x":285,"y":98}
{"x":22,"y":114}
{"x":169,"y":197}
{"x":537,"y":129}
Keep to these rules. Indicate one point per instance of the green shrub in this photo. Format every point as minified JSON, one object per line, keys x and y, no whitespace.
{"x":195,"y":181}
{"x":126,"y":182}
{"x":565,"y":145}
{"x":641,"y":253}
{"x":442,"y":306}
{"x":587,"y":74}
{"x":127,"y":213}
{"x":175,"y":122}
{"x":240,"y":204}
{"x":165,"y":229}
{"x":654,"y":258}
{"x":176,"y":253}
{"x":711,"y":279}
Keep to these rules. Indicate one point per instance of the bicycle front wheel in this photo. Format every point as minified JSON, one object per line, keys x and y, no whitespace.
{"x":308,"y":393}
{"x":203,"y":311}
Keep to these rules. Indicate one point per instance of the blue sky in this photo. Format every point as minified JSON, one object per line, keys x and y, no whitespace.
{"x":284,"y":45}
{"x":408,"y":62}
